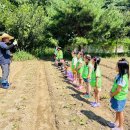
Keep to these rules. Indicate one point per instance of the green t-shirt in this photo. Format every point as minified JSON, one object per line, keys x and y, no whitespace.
{"x":60,"y":55}
{"x":96,"y":74}
{"x":74,"y":62}
{"x":80,"y":61}
{"x":123,"y":82}
{"x":86,"y":69}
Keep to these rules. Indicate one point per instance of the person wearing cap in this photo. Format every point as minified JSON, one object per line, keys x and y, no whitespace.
{"x":59,"y":54}
{"x":5,"y":58}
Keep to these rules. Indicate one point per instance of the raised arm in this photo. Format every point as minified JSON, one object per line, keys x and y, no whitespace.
{"x":5,"y":47}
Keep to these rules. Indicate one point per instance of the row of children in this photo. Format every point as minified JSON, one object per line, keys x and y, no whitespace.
{"x":85,"y":71}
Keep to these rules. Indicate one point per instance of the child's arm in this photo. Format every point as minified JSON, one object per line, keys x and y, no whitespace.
{"x":116,"y":92}
{"x":80,"y":65}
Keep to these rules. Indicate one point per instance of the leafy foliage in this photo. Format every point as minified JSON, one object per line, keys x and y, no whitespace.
{"x":42,"y":24}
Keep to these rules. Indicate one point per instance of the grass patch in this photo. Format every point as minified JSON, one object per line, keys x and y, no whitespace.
{"x":23,"y":56}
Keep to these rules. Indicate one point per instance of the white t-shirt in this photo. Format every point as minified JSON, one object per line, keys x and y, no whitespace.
{"x":75,"y":60}
{"x":120,"y":81}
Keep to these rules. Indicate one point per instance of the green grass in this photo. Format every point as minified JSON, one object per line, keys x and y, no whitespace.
{"x":23,"y":56}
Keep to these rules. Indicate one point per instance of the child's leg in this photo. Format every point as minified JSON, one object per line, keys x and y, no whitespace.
{"x":95,"y":95}
{"x":117,"y":118}
{"x":86,"y":87}
{"x":80,"y":80}
{"x":77,"y":80}
{"x":98,"y":96}
{"x":121,"y":120}
{"x":75,"y":75}
{"x":89,"y":87}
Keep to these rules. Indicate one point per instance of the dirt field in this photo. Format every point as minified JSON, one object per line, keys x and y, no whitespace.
{"x":40,"y":99}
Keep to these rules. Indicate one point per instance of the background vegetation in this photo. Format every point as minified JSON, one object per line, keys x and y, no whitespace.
{"x":39,"y":25}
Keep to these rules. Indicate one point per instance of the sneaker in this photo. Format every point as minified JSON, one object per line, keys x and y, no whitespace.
{"x":92,"y":103}
{"x":87,"y":96}
{"x":5,"y":86}
{"x":80,"y":87}
{"x":74,"y":82}
{"x":96,"y":105}
{"x":112,"y":125}
{"x":84,"y":93}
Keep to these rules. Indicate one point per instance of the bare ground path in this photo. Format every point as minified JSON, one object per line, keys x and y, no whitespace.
{"x":26,"y":105}
{"x":39,"y":99}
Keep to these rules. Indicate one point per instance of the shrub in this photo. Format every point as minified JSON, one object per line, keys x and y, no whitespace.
{"x":43,"y":52}
{"x":22,"y":56}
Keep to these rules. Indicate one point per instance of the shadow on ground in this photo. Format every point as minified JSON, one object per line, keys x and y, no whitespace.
{"x":78,"y":95}
{"x":94,"y":117}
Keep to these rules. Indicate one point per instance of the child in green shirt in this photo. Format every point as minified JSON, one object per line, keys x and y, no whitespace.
{"x":96,"y":81}
{"x":73,"y":66}
{"x":59,"y":54}
{"x":79,"y":69}
{"x":86,"y":75}
{"x":119,"y":93}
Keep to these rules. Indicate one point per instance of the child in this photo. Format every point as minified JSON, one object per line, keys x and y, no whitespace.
{"x":119,"y":93}
{"x":73,"y":66}
{"x":68,"y":72}
{"x":55,"y":53}
{"x":96,"y":81}
{"x":59,"y":56}
{"x":87,"y":70}
{"x":79,"y":69}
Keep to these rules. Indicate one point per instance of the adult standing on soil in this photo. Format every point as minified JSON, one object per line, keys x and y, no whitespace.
{"x":5,"y":58}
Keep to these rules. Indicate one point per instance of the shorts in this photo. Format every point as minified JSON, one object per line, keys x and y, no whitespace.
{"x":87,"y":80}
{"x":118,"y":105}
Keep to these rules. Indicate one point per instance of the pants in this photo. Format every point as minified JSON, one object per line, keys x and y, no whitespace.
{"x":5,"y":71}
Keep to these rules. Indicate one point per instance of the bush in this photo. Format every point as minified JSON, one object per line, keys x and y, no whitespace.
{"x":43,"y":52}
{"x":104,"y":55}
{"x":22,"y":56}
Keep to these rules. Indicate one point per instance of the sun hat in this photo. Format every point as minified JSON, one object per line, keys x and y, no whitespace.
{"x":5,"y":35}
{"x":59,"y":47}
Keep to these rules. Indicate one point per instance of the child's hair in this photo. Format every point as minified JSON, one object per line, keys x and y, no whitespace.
{"x":87,"y":57}
{"x":81,"y":54}
{"x":67,"y":63}
{"x":73,"y":52}
{"x":123,"y":66}
{"x":97,"y":62}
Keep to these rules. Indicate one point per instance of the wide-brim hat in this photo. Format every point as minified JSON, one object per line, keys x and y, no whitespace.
{"x":59,"y":47}
{"x":5,"y":35}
